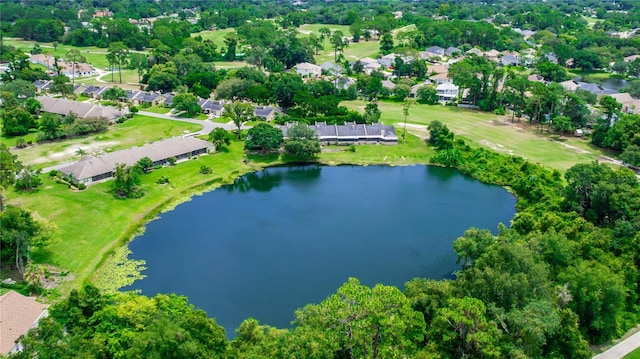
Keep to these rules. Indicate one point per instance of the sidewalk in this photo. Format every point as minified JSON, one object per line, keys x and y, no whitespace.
{"x":621,"y":349}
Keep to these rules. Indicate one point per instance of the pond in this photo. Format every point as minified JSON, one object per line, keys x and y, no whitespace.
{"x":278,"y":239}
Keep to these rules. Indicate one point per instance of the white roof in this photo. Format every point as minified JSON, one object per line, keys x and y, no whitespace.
{"x":307,"y":66}
{"x":447,"y":86}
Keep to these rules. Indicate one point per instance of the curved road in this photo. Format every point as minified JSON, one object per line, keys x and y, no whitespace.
{"x":207,"y":126}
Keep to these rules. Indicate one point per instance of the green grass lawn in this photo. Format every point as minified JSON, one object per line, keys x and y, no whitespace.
{"x":495,"y":132}
{"x":134,"y":132}
{"x":308,"y":29}
{"x":158,"y":109}
{"x":633,"y":355}
{"x":200,"y":116}
{"x":95,"y":56}
{"x":217,"y":36}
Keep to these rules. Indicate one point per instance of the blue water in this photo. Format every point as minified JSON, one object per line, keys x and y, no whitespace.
{"x":287,"y":236}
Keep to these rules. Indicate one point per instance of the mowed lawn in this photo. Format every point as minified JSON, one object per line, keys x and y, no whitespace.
{"x":217,"y":36}
{"x":135,"y":132}
{"x":492,"y":131}
{"x":95,"y":56}
{"x":91,"y":223}
{"x":633,"y":355}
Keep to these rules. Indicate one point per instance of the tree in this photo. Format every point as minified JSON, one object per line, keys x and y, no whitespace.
{"x":598,"y":298}
{"x":339,"y":43}
{"x":239,"y":112}
{"x":125,"y":184}
{"x":163,"y":81}
{"x":50,"y":125}
{"x":16,"y":122}
{"x":138,"y":62}
{"x":325,"y":33}
{"x":75,"y":57}
{"x":631,"y":155}
{"x":264,"y":137}
{"x":610,"y":105}
{"x":9,"y":167}
{"x":19,"y":233}
{"x":363,"y":322}
{"x":302,"y":141}
{"x":186,"y":102}
{"x":371,"y":112}
{"x":428,"y":94}
{"x":284,"y":87}
{"x":145,"y":164}
{"x":118,"y":54}
{"x":61,"y":85}
{"x":114,"y":94}
{"x":28,"y":179}
{"x":32,"y":106}
{"x":401,"y":92}
{"x":561,"y":124}
{"x":405,"y":113}
{"x":231,"y":40}
{"x":461,"y":330}
{"x":219,"y":137}
{"x":386,"y":44}
{"x":439,"y":135}
{"x":19,"y":88}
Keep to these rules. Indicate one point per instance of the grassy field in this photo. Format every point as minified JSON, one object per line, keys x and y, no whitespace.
{"x":495,"y":132}
{"x":633,"y":355}
{"x":308,"y":29}
{"x":135,"y":132}
{"x":217,"y":36}
{"x":95,"y":56}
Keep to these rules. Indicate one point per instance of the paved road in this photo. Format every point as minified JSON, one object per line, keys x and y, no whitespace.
{"x":207,"y":126}
{"x":621,"y":349}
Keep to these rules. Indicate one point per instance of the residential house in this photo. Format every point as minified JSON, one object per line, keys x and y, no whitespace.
{"x":536,"y":78}
{"x":331,"y":68}
{"x":42,"y":86}
{"x":436,"y":50}
{"x":18,"y":314}
{"x":168,"y":102}
{"x":551,"y":57}
{"x":212,"y":107}
{"x":415,"y":88}
{"x":629,"y":104}
{"x":92,"y":169}
{"x":447,"y":92}
{"x":265,"y":113}
{"x":95,"y":92}
{"x":509,"y":60}
{"x":572,"y":85}
{"x":442,"y":78}
{"x":452,"y":51}
{"x":351,"y":133}
{"x":388,"y":85}
{"x":149,"y":98}
{"x":83,"y":110}
{"x":388,"y":60}
{"x":492,"y":55}
{"x":66,"y":68}
{"x":631,"y":58}
{"x":306,"y":69}
{"x":344,"y":83}
{"x":372,"y":67}
{"x":437,"y":69}
{"x":475,"y":51}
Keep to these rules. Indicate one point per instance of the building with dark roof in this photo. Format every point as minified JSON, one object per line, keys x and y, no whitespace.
{"x":351,"y":133}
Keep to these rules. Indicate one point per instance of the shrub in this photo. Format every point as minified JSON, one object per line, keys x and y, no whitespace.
{"x":21,"y":143}
{"x":82,"y":186}
{"x":53,"y":173}
{"x":171,"y":161}
{"x":205,"y":170}
{"x":162,"y":180}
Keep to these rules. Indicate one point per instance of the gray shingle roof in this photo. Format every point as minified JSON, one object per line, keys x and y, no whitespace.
{"x":83,"y":110}
{"x":91,"y":166}
{"x":350,"y":131}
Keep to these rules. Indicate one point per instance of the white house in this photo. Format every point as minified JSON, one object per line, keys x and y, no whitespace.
{"x":306,"y":69}
{"x":447,"y":92}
